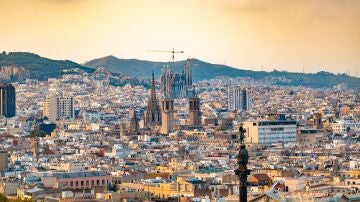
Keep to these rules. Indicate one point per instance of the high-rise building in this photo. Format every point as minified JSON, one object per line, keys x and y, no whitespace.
{"x":46,"y":107}
{"x":176,"y":85}
{"x":3,"y":161}
{"x":152,"y":116}
{"x":167,"y":115}
{"x":58,"y":107}
{"x":238,"y":98}
{"x":7,"y":100}
{"x":194,"y":109}
{"x":65,"y":107}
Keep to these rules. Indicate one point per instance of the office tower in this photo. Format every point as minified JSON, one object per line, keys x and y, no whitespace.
{"x":194,"y":109}
{"x":238,"y":98}
{"x":167,"y":115}
{"x":3,"y":161}
{"x":152,"y":116}
{"x":58,"y":107}
{"x":7,"y":100}
{"x":176,"y":85}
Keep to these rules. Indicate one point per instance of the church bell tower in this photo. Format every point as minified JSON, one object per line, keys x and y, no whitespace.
{"x":167,"y":116}
{"x":194,"y":109}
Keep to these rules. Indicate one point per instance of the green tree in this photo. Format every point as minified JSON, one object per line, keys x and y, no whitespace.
{"x":37,"y":133}
{"x":3,"y":198}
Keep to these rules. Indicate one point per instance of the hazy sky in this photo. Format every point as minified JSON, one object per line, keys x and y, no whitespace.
{"x":282,"y":34}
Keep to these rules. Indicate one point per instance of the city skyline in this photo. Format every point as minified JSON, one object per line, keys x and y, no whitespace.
{"x":141,"y":101}
{"x":308,"y":36}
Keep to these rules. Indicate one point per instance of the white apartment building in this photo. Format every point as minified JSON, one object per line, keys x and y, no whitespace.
{"x":58,"y":107}
{"x":238,"y":98}
{"x":269,"y":132}
{"x":344,"y":125}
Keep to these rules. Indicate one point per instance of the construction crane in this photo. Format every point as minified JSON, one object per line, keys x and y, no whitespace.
{"x":172,"y":51}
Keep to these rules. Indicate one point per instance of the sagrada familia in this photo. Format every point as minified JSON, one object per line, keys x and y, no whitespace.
{"x":176,"y":85}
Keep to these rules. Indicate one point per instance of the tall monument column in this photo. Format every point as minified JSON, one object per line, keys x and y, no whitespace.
{"x":242,"y":171}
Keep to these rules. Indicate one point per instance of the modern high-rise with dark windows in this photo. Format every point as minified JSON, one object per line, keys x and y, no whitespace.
{"x":7,"y":100}
{"x":238,"y":98}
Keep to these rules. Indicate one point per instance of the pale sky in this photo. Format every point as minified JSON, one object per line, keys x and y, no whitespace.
{"x":282,"y":34}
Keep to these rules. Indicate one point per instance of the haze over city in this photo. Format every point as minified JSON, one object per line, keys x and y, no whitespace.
{"x":179,"y":101}
{"x":252,"y":34}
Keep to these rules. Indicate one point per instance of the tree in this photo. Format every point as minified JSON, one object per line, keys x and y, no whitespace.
{"x":37,"y":132}
{"x":3,"y":198}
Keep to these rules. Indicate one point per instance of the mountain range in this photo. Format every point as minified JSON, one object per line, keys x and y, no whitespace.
{"x":202,"y":70}
{"x":36,"y":67}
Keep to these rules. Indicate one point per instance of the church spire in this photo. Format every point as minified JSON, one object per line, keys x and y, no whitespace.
{"x":153,"y":94}
{"x":153,"y":114}
{"x":194,"y":95}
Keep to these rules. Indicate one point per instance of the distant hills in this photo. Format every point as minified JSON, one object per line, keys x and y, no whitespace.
{"x":202,"y":70}
{"x":19,"y":65}
{"x":34,"y":66}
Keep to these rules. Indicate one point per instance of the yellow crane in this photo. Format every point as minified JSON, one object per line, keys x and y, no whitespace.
{"x":172,"y":51}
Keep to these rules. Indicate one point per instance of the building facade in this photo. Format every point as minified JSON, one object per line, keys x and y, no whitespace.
{"x":7,"y":100}
{"x":344,"y":125}
{"x":77,"y":180}
{"x":3,"y":161}
{"x":309,"y":136}
{"x":268,"y":132}
{"x":238,"y":98}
